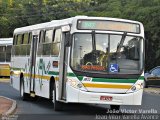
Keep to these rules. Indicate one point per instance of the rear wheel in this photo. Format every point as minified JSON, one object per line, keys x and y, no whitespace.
{"x":57,"y":104}
{"x":23,"y":95}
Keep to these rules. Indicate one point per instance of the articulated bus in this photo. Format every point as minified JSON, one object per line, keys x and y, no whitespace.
{"x":81,"y":59}
{"x":5,"y":56}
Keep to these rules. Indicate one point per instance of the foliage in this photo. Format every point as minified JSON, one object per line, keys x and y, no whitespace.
{"x":19,"y":13}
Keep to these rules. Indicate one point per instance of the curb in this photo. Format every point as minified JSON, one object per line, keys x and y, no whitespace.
{"x":12,"y":108}
{"x":5,"y":80}
{"x":152,"y":91}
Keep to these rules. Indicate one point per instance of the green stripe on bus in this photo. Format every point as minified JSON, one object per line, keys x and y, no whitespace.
{"x":111,"y":80}
{"x":17,"y":68}
{"x":114,"y":80}
{"x":71,"y":75}
{"x":141,"y":78}
{"x":80,"y":77}
{"x":57,"y":73}
{"x":53,"y":73}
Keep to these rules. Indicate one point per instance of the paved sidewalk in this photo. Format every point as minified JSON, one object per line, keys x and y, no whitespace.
{"x":7,"y":106}
{"x":4,"y":79}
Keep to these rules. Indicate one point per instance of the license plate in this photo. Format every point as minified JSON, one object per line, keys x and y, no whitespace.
{"x":106,"y":98}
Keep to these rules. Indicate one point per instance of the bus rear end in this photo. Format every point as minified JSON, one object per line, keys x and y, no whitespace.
{"x":4,"y":70}
{"x":5,"y":56}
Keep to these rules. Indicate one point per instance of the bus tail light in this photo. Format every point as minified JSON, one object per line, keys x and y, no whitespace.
{"x":137,"y":86}
{"x":76,"y":84}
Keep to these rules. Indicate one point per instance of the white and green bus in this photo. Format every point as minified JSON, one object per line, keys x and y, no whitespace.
{"x":80,"y":60}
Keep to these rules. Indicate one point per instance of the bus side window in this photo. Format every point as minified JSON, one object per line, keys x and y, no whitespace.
{"x":2,"y":53}
{"x":47,"y":42}
{"x":58,"y":36}
{"x":30,"y":38}
{"x":14,"y":39}
{"x":14,"y":43}
{"x":40,"y":45}
{"x":48,"y":36}
{"x":19,"y":40}
{"x":25,"y":44}
{"x":29,"y":43}
{"x":8,"y":53}
{"x":18,"y":45}
{"x":41,"y":36}
{"x":21,"y":48}
{"x":56,"y":42}
{"x":25,"y":40}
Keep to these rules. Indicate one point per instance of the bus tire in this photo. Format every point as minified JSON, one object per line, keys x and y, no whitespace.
{"x":57,"y":104}
{"x":115,"y":107}
{"x":23,"y":95}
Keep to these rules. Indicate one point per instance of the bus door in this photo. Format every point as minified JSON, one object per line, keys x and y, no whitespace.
{"x":63,"y":69}
{"x":33,"y":64}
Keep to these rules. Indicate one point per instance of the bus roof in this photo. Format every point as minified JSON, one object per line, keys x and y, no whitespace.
{"x":53,"y":23}
{"x":56,"y":23}
{"x":6,"y":41}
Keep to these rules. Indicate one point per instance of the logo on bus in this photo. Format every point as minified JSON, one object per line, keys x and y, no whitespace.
{"x":113,"y":68}
{"x":43,"y":68}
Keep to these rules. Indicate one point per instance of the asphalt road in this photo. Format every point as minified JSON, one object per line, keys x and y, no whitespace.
{"x":42,"y":109}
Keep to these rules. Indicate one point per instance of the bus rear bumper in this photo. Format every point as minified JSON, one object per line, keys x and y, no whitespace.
{"x":4,"y":70}
{"x":117,"y":99}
